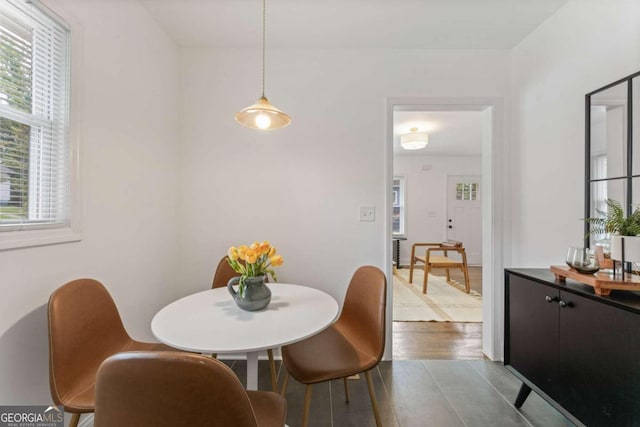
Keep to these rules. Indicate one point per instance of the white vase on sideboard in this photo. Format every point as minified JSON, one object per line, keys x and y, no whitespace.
{"x":631,"y":248}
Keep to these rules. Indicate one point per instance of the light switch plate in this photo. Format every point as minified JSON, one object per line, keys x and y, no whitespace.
{"x":367,"y":213}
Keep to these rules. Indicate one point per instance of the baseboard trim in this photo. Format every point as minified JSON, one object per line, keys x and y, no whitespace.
{"x":421,"y":266}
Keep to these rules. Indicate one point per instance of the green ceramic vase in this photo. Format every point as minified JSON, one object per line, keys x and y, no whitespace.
{"x":255,"y":295}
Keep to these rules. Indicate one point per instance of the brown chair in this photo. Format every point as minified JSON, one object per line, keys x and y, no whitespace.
{"x":438,"y":261}
{"x":223,"y":274}
{"x":156,"y":389}
{"x":353,"y":344}
{"x":84,"y":329}
{"x":221,"y":277}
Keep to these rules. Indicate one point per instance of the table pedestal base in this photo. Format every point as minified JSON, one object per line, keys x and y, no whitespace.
{"x":252,"y":370}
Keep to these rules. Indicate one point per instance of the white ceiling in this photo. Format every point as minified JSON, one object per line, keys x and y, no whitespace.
{"x":422,"y":24}
{"x":451,"y":133}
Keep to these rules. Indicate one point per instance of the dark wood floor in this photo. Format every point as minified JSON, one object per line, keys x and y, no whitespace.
{"x":441,"y":340}
{"x":413,"y":393}
{"x":437,"y":341}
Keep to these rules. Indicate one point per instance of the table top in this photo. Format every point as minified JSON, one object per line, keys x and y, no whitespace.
{"x":211,"y":322}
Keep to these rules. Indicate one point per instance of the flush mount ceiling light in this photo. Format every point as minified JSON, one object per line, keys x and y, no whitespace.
{"x":414,"y":140}
{"x":262,"y":115}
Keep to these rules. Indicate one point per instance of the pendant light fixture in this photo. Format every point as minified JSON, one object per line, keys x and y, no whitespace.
{"x":414,"y":140}
{"x":262,"y":115}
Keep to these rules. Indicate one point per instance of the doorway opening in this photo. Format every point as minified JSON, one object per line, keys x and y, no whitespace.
{"x":443,"y":194}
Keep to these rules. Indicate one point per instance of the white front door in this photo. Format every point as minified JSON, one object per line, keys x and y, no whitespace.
{"x":464,"y":214}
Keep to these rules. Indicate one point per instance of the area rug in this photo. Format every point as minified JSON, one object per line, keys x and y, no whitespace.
{"x":442,"y":303}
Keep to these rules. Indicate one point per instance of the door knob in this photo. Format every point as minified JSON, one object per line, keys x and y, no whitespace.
{"x":547,"y":298}
{"x":562,"y":304}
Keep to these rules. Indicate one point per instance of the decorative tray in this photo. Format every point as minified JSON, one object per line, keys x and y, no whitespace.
{"x":603,"y":283}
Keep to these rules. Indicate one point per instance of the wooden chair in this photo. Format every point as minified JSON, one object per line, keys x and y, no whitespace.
{"x":223,"y":274}
{"x":353,"y":344}
{"x":431,"y":261}
{"x":156,"y":389}
{"x":84,"y":329}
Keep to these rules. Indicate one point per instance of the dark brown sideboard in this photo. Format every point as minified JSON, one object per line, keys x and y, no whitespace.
{"x":578,"y":351}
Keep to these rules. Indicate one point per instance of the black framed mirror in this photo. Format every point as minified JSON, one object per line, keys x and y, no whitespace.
{"x":612,"y":149}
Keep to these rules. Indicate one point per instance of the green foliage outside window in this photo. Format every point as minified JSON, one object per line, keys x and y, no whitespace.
{"x":16,"y":93}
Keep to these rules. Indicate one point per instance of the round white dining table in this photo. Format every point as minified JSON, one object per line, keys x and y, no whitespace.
{"x":210,"y":322}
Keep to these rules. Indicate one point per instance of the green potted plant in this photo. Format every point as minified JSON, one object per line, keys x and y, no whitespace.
{"x":614,"y":221}
{"x":624,"y":231}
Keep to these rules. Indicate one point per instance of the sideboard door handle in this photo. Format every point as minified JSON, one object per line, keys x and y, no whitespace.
{"x":563,"y":304}
{"x":547,"y":298}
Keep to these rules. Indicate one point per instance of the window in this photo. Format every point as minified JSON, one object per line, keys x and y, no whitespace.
{"x":398,"y":199}
{"x":467,"y":190}
{"x":599,"y":194}
{"x":35,"y":154}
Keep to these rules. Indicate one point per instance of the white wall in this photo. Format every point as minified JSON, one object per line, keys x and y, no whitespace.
{"x":127,"y":79}
{"x":584,"y":46}
{"x":426,"y":195}
{"x":300,"y":187}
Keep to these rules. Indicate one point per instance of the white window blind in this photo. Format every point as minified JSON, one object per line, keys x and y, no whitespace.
{"x":34,"y":114}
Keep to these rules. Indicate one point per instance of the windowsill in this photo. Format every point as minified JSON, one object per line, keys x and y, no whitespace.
{"x":30,"y":238}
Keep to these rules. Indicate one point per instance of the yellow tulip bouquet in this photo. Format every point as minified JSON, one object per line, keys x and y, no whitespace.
{"x":259,"y":260}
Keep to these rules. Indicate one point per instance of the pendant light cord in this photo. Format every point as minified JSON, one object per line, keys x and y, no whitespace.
{"x":264,"y":20}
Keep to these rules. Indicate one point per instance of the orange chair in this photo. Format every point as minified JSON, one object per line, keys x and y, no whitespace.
{"x":223,"y":274}
{"x":156,"y":389}
{"x":438,"y":261}
{"x":84,"y":329}
{"x":353,"y":344}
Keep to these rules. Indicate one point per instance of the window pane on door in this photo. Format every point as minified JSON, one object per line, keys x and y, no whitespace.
{"x":467,"y":190}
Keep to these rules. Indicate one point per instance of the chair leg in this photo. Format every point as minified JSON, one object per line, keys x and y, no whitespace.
{"x":374,"y":402}
{"x":75,"y":418}
{"x":448,"y":276}
{"x":272,"y":368}
{"x":307,"y":404}
{"x":426,"y":278}
{"x":413,"y":260}
{"x":467,"y":285}
{"x":411,"y":272}
{"x":285,"y":383}
{"x":346,"y":389}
